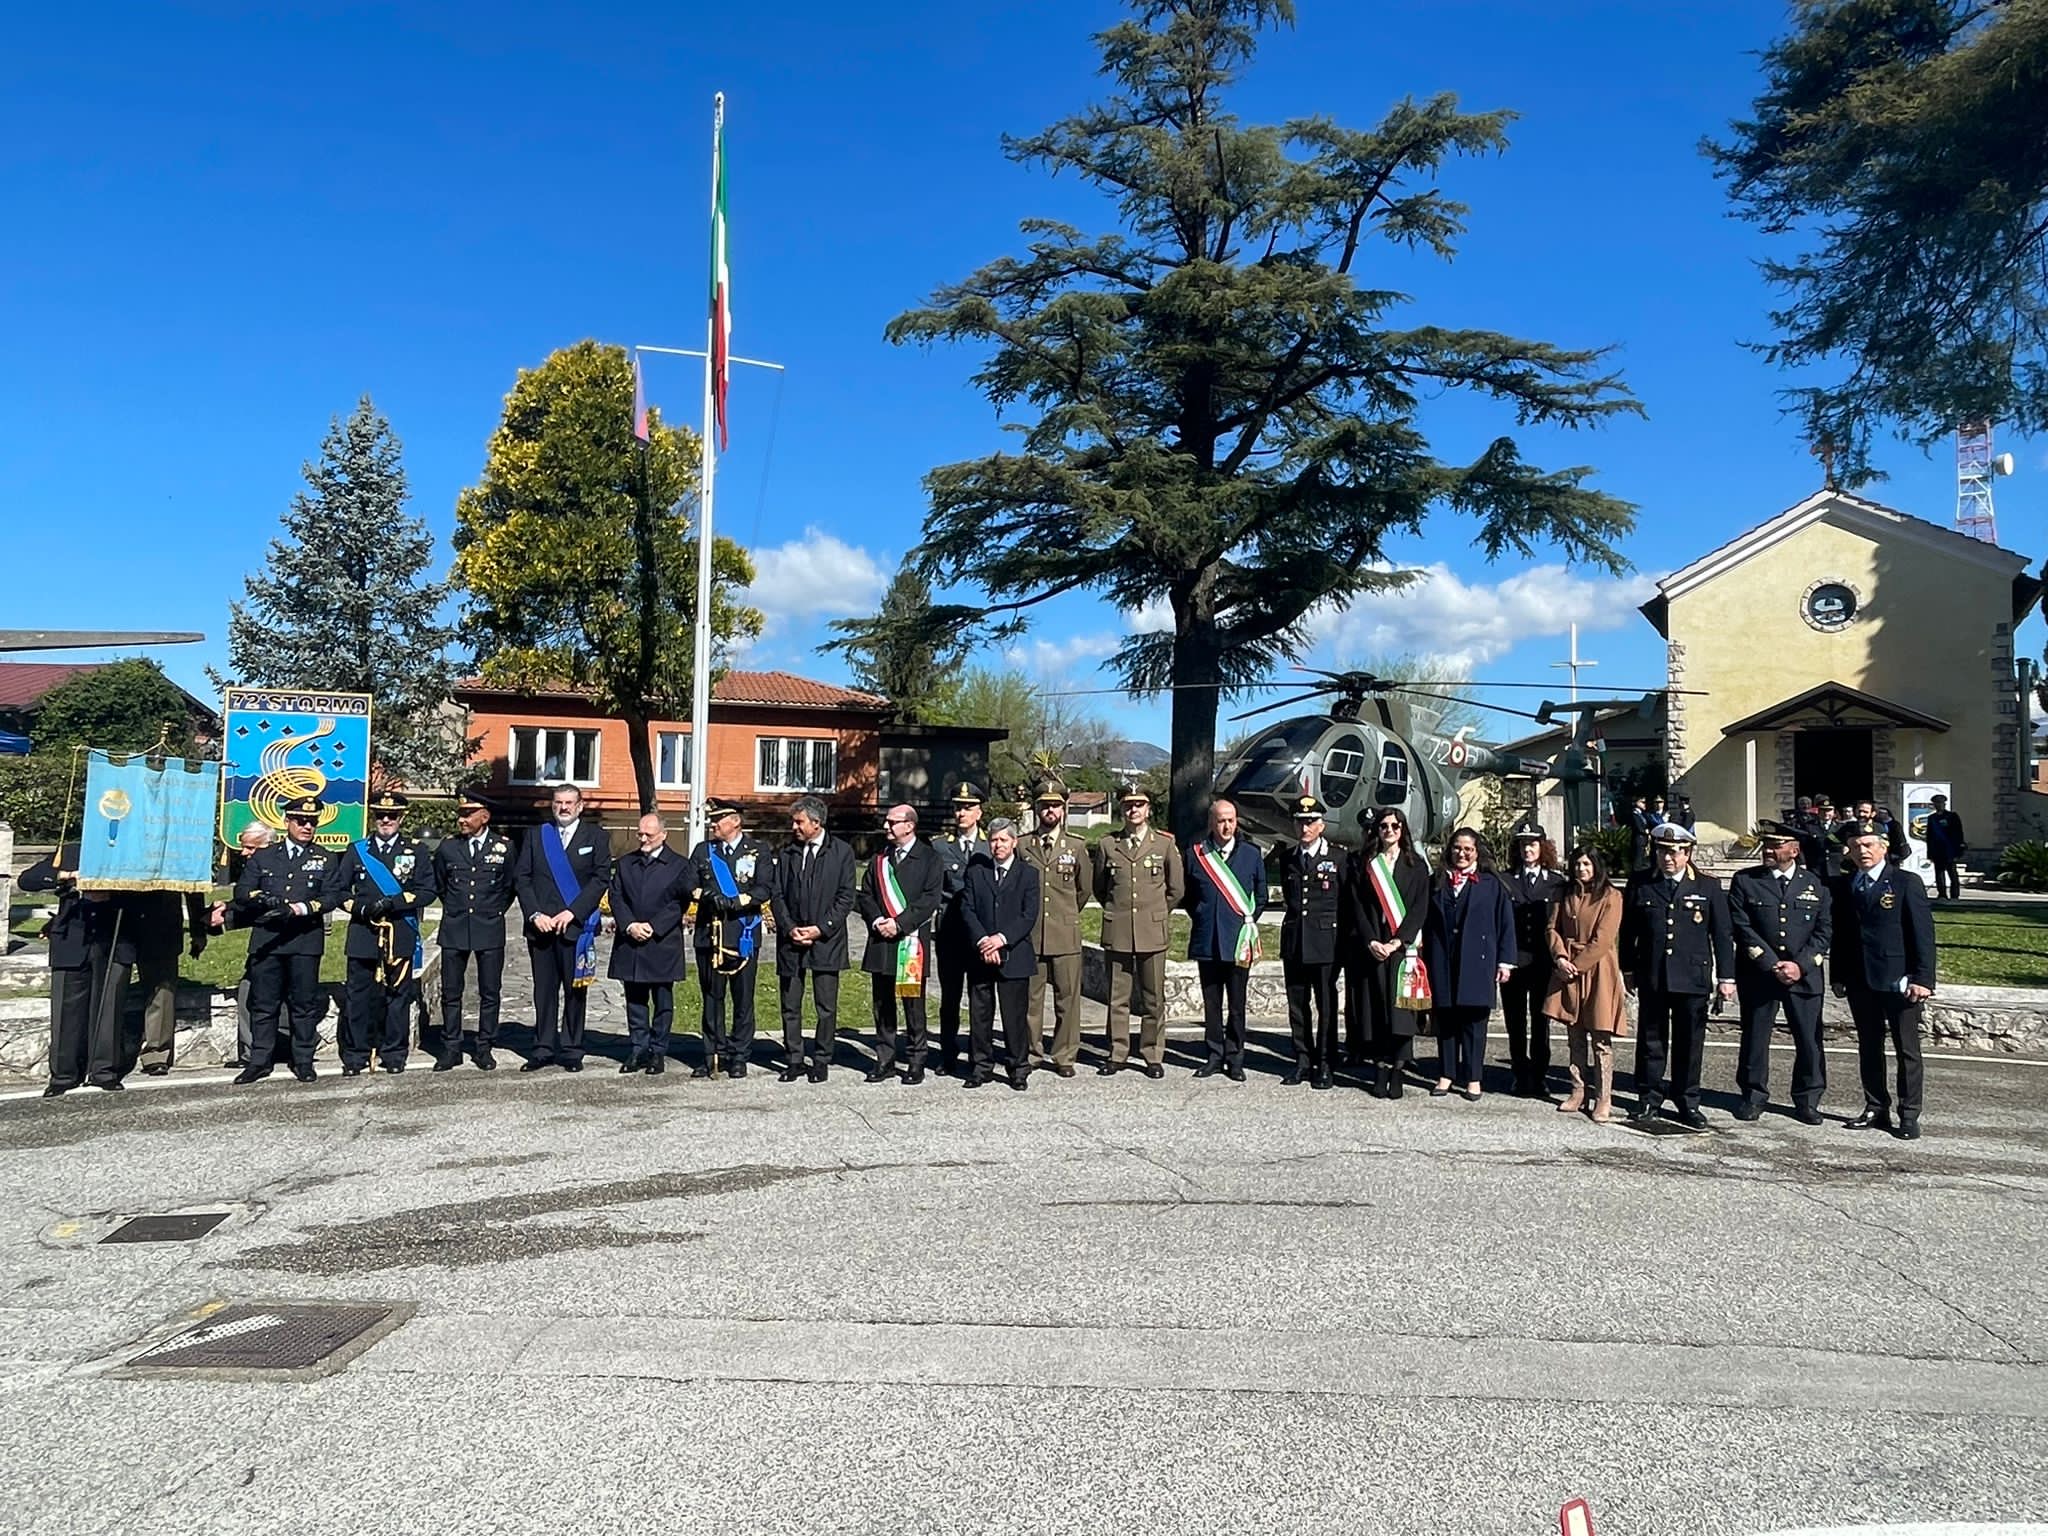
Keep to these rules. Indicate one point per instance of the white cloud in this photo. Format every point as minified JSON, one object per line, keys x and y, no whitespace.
{"x":819,"y":576}
{"x":1052,"y":658}
{"x":1154,"y":617}
{"x":1468,"y":624}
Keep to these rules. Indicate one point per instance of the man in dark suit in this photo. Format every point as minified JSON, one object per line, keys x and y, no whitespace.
{"x":729,"y":934}
{"x":1315,"y":881}
{"x":1884,"y":961}
{"x":1000,"y":908}
{"x":89,"y":963}
{"x":905,"y":883}
{"x":473,"y":873}
{"x":1676,"y":952}
{"x":1226,"y":890}
{"x":964,"y":845}
{"x":650,"y":887}
{"x":283,"y":898}
{"x":813,"y":896}
{"x":166,"y":925}
{"x":1945,"y":849}
{"x":564,"y":868}
{"x":1779,"y":915}
{"x":383,"y":904}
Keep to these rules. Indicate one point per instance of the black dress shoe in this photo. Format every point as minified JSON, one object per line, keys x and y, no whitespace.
{"x":109,"y":1084}
{"x":447,"y":1063}
{"x":572,"y":1066}
{"x":358,"y":1071}
{"x":1692,"y":1119}
{"x":58,"y":1090}
{"x":632,"y":1063}
{"x":1295,"y":1078}
{"x":791,"y":1075}
{"x":1324,"y":1081}
{"x":251,"y":1075}
{"x":1806,"y":1116}
{"x":1020,"y":1079}
{"x":1909,"y":1130}
{"x":304,"y":1074}
{"x":1109,"y":1069}
{"x":235,"y":1065}
{"x":1439,"y":1093}
{"x":975,"y":1081}
{"x":1871,"y":1120}
{"x":820,"y":1073}
{"x":656,"y":1065}
{"x":1209,"y":1069}
{"x":393,"y":1067}
{"x":914,"y":1076}
{"x":1234,"y":1073}
{"x":1393,"y":1088}
{"x":1645,"y":1110}
{"x":485,"y":1061}
{"x":700,"y":1071}
{"x":737,"y":1069}
{"x":157,"y":1069}
{"x":1062,"y":1069}
{"x":530,"y":1066}
{"x":1153,"y":1069}
{"x":1747,"y":1111}
{"x":881,"y":1075}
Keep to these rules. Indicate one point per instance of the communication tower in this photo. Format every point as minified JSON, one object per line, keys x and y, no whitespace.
{"x":1976,"y":467}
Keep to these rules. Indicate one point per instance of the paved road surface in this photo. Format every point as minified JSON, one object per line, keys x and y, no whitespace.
{"x":1102,"y":1305}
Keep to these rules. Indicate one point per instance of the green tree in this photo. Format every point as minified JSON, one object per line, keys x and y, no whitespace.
{"x":1901,"y":146}
{"x":577,"y":549}
{"x":121,"y":707}
{"x":899,"y":653}
{"x":342,"y":603}
{"x":1223,"y":409}
{"x":1050,"y":734}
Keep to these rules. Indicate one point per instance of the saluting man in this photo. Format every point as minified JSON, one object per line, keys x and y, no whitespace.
{"x":282,"y":898}
{"x":1315,"y":881}
{"x":473,"y":873}
{"x":383,"y":882}
{"x":1065,"y":883}
{"x":958,"y":850}
{"x":731,"y":887}
{"x":1226,"y":891}
{"x":1884,"y":963}
{"x":1779,"y":914}
{"x":1138,"y":880}
{"x":1676,"y":951}
{"x":900,"y":891}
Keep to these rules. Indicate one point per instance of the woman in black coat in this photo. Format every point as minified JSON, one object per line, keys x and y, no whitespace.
{"x":1390,"y":890}
{"x":1535,"y":886}
{"x":649,"y":890}
{"x":1468,"y":942}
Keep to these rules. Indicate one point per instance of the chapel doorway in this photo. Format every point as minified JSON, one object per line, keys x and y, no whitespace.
{"x":1838,"y":761}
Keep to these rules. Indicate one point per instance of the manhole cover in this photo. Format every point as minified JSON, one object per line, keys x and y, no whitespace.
{"x":166,"y":1229}
{"x":273,"y":1339}
{"x":1661,"y":1127}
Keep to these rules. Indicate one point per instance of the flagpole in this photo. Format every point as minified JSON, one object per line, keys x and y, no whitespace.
{"x":700,"y":659}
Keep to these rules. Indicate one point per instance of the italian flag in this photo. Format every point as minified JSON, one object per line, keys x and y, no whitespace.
{"x":721,"y":275}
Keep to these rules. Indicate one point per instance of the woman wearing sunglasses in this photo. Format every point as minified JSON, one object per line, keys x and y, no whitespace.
{"x":1389,"y":897}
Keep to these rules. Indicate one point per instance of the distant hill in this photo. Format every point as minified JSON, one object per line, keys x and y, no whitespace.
{"x":1134,"y":755}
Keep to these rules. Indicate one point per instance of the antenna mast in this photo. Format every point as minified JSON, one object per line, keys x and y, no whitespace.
{"x":1976,"y":467}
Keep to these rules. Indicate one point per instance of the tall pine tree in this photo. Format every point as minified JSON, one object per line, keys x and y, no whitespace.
{"x":900,"y":654}
{"x":343,"y":604}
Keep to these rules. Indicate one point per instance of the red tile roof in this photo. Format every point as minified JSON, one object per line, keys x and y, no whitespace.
{"x":783,"y":690}
{"x":23,"y":683}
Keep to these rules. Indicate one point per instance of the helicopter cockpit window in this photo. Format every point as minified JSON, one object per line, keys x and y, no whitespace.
{"x":1270,"y":762}
{"x":1393,"y":788}
{"x":1343,"y":765}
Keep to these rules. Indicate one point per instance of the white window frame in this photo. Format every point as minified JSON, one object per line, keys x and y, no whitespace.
{"x":568,"y":754}
{"x":809,"y":744}
{"x":682,"y":759}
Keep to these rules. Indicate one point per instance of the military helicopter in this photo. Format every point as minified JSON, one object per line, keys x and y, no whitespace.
{"x":1377,"y":746}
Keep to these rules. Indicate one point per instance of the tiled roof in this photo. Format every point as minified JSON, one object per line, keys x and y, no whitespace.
{"x":782,"y":690}
{"x":23,"y":683}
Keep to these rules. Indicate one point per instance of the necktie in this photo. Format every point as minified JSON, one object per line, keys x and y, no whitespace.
{"x":809,"y":850}
{"x":476,"y":846}
{"x":896,"y":855}
{"x":1863,"y":883}
{"x":291,"y":851}
{"x":1001,"y":873}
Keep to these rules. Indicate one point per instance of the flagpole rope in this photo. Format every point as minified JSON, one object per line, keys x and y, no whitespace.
{"x":767,"y":461}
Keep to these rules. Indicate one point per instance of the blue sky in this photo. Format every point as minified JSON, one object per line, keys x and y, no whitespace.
{"x":226,"y":224}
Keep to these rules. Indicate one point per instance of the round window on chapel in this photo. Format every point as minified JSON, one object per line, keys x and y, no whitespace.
{"x":1830,"y":605}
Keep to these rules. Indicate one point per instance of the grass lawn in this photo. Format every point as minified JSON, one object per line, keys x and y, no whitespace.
{"x":1988,"y":945}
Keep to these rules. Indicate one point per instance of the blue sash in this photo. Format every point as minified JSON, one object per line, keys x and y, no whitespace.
{"x":750,"y":927}
{"x":567,"y":884}
{"x":387,"y":885}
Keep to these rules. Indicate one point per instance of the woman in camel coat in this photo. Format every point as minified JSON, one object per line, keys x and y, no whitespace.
{"x":1585,"y":988}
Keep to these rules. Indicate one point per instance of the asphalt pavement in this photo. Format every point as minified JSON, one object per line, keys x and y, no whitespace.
{"x":1116,"y":1305}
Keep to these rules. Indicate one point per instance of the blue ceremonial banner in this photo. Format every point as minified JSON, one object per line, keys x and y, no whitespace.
{"x":147,"y":828}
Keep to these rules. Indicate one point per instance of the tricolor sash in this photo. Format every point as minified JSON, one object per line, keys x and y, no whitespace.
{"x":909,"y":946}
{"x":1411,"y":978}
{"x":388,"y":886}
{"x":1233,"y":893}
{"x":570,"y":888}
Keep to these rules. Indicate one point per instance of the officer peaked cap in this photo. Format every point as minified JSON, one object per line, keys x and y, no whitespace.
{"x":1671,"y":835}
{"x":305,"y":805}
{"x":389,"y":803}
{"x":1308,"y":808}
{"x":967,"y":794}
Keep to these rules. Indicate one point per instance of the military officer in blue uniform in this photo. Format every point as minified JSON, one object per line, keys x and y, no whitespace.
{"x":1779,"y":912}
{"x":1315,"y":884}
{"x":1884,"y":963}
{"x":283,"y":898}
{"x":473,"y":874}
{"x":1676,"y":952}
{"x":728,"y":935}
{"x":383,"y":906}
{"x":958,"y":850}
